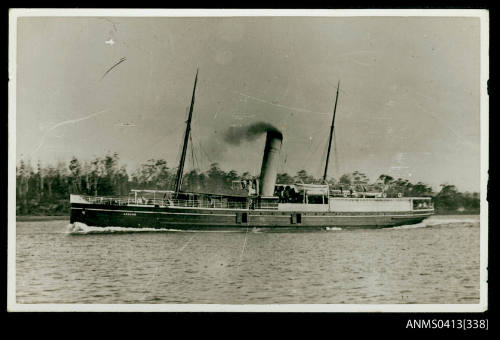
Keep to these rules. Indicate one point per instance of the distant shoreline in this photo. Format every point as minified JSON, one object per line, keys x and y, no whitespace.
{"x":454,"y":212}
{"x":29,"y":218}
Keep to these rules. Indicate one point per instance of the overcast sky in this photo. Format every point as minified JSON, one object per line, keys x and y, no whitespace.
{"x":408,"y":104}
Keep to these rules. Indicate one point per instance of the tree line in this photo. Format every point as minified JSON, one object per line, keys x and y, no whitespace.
{"x":45,"y":190}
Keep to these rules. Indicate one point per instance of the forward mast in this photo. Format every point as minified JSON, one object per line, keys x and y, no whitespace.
{"x":180,"y":170}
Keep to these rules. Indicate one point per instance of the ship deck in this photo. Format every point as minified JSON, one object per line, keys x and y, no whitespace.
{"x":202,"y":215}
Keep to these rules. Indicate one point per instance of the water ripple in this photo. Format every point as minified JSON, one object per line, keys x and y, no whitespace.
{"x":436,"y":261}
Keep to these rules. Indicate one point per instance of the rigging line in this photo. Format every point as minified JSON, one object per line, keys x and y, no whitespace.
{"x":324,"y":153}
{"x":337,"y":159}
{"x":314,"y":143}
{"x":203,"y":157}
{"x":317,"y":150}
{"x":306,"y":159}
{"x":192,"y":151}
{"x":206,"y":154}
{"x":317,"y":169}
{"x":161,"y":139}
{"x":199,"y":157}
{"x":322,"y":160}
{"x":195,"y":157}
{"x":198,"y":154}
{"x":179,"y":151}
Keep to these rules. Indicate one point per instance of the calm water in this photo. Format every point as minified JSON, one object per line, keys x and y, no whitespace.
{"x":433,"y":262}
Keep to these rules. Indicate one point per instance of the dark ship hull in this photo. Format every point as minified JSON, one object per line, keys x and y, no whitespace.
{"x":174,"y":217}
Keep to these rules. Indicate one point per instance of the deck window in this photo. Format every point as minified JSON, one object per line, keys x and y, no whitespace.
{"x":241,"y":217}
{"x":296,"y":218}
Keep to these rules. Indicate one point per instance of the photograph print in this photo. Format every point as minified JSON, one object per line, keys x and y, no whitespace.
{"x":248,"y":160}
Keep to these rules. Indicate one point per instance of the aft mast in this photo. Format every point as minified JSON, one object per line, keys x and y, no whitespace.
{"x":331,"y":134}
{"x":180,"y":170}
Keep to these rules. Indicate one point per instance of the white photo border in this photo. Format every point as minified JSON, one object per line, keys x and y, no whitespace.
{"x":482,"y":306}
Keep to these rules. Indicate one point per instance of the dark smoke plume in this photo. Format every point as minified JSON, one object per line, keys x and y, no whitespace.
{"x":236,"y":135}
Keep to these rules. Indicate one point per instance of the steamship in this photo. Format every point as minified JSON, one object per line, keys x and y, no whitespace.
{"x":263,"y":204}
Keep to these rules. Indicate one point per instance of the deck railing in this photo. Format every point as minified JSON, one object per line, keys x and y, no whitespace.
{"x":187,"y":203}
{"x":108,"y":200}
{"x":418,"y":204}
{"x":167,"y":202}
{"x":422,"y":205}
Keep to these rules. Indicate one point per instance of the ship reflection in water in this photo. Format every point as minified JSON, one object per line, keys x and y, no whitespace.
{"x":399,"y":265}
